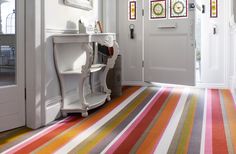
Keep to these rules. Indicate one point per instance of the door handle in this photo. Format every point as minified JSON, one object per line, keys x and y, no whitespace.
{"x":203,"y":9}
{"x":214,"y":30}
{"x":169,"y":27}
{"x":131,"y":28}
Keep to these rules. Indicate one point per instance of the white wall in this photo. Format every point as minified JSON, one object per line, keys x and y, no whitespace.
{"x":60,"y":18}
{"x":109,"y":15}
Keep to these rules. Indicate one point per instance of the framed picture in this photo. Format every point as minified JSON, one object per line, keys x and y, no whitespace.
{"x":178,"y":9}
{"x":214,"y":9}
{"x":157,"y":9}
{"x":81,"y":4}
{"x":132,"y":10}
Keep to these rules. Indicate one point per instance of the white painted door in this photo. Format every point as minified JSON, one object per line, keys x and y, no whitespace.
{"x":131,"y":49}
{"x":169,"y":42}
{"x":213,"y":51}
{"x":12,"y":87}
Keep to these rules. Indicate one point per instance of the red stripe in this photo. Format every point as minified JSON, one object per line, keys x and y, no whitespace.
{"x":132,"y":138}
{"x":47,"y":137}
{"x":219,"y":143}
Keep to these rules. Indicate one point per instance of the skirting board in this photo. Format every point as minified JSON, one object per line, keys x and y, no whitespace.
{"x":52,"y":109}
{"x":52,"y":113}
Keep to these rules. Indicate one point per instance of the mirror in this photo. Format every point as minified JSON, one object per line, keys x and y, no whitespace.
{"x":81,"y":4}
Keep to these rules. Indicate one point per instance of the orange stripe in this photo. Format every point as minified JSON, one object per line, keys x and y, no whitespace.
{"x":231,"y":115}
{"x":67,"y":136}
{"x":219,"y":143}
{"x":154,"y":135}
{"x":47,"y":137}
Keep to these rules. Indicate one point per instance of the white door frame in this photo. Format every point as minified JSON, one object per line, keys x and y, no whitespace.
{"x":227,"y":62}
{"x":35,"y":63}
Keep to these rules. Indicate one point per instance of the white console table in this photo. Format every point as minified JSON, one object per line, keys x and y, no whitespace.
{"x":73,"y":55}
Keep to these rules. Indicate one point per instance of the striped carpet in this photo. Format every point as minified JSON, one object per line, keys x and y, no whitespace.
{"x":146,"y":120}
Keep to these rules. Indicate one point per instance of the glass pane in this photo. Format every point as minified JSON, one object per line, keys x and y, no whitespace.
{"x":132,"y":10}
{"x":7,"y":43}
{"x":157,"y":9}
{"x":178,"y":8}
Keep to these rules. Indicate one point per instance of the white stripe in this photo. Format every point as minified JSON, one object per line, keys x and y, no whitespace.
{"x":34,"y":136}
{"x":131,"y":123}
{"x":81,"y":137}
{"x":234,"y":95}
{"x":202,"y":151}
{"x":168,"y":135}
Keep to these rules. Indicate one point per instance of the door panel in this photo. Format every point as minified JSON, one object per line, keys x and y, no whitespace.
{"x":169,"y":54}
{"x":12,"y":102}
{"x":131,"y":49}
{"x":213,"y":53}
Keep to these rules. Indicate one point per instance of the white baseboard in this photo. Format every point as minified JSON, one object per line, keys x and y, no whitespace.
{"x":52,"y":110}
{"x":211,"y":85}
{"x":52,"y":113}
{"x":200,"y":85}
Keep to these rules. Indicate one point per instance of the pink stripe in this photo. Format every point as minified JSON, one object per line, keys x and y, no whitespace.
{"x":208,"y":140}
{"x":133,"y":126}
{"x":37,"y":136}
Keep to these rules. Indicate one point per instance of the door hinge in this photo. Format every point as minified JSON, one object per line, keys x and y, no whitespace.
{"x":142,"y":12}
{"x":142,"y":63}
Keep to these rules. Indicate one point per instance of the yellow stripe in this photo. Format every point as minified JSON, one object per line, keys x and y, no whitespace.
{"x":92,"y":141}
{"x":187,"y":129}
{"x":13,"y":137}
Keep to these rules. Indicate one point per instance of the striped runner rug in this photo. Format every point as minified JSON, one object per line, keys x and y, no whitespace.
{"x":145,"y":120}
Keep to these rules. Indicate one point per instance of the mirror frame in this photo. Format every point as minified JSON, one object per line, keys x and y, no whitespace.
{"x":81,"y":4}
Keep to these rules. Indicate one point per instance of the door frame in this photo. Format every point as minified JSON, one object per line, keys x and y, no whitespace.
{"x":227,"y":53}
{"x":34,"y":59}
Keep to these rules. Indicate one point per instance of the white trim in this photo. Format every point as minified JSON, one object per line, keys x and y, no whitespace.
{"x":211,"y":85}
{"x":34,"y":60}
{"x":198,"y":85}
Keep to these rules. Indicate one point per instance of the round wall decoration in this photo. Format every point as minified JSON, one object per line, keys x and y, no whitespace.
{"x":178,"y":7}
{"x":158,"y":9}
